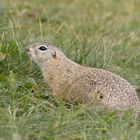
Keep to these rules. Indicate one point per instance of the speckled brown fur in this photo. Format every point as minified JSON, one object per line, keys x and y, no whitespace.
{"x":73,"y":82}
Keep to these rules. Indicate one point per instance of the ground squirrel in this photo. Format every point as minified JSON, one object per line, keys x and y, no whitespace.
{"x":73,"y":82}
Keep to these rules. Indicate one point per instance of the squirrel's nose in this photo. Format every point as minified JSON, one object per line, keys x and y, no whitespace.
{"x":28,"y":49}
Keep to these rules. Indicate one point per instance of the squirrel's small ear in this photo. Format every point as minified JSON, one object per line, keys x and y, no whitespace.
{"x":54,"y":54}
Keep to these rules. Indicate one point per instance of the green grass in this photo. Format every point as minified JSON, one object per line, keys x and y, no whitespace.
{"x":97,"y":33}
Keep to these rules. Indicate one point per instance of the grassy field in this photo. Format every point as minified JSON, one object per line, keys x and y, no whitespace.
{"x":110,"y":29}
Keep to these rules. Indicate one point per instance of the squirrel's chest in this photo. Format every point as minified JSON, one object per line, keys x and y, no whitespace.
{"x":58,"y":80}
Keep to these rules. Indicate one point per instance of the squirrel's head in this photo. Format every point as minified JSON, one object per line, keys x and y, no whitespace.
{"x":43,"y":52}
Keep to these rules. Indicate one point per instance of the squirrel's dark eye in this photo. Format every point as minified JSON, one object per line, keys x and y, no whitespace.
{"x":43,"y":48}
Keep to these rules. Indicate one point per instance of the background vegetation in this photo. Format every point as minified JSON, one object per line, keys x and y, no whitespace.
{"x":97,"y":33}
